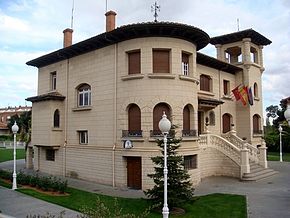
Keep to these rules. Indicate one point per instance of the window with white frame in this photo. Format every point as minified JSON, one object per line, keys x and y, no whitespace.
{"x":53,"y":81}
{"x":84,"y":95}
{"x":185,"y":64}
{"x":83,"y":137}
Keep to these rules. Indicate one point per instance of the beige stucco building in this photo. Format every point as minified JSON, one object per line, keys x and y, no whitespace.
{"x":97,"y":95}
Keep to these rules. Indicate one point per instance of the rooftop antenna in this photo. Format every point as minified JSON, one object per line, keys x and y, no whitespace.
{"x":106,"y":5}
{"x":238,"y":24}
{"x":155,"y":8}
{"x":72,"y":14}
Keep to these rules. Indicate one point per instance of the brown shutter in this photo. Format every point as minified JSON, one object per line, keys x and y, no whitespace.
{"x":186,"y":118}
{"x":185,"y":58}
{"x":255,"y":123}
{"x":226,"y":123}
{"x":225,"y":87}
{"x":134,"y":118}
{"x":157,"y":114}
{"x":160,"y":61}
{"x":134,"y":62}
{"x":205,"y":83}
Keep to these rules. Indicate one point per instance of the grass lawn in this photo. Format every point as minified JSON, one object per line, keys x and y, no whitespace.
{"x":209,"y":206}
{"x":275,"y":156}
{"x":7,"y":154}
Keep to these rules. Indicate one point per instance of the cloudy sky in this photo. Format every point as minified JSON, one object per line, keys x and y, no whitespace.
{"x":31,"y":28}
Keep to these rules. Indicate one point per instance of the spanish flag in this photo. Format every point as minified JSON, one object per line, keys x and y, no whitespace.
{"x":244,"y":95}
{"x":236,"y":93}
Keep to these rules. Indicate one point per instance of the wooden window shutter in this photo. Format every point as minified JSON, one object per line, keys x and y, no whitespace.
{"x":157,"y":114}
{"x":226,"y":91}
{"x":205,"y":83}
{"x":134,"y":62}
{"x":134,"y":118}
{"x":185,"y":58}
{"x":186,"y":118}
{"x":160,"y":61}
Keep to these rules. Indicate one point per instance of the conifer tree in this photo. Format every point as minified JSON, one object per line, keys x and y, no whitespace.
{"x":179,"y":188}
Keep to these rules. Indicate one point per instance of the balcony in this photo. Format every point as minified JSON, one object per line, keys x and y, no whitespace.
{"x":158,"y":133}
{"x":257,"y":132}
{"x":189,"y":133}
{"x":132,"y":133}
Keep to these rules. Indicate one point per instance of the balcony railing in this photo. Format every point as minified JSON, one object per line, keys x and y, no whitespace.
{"x":132,"y":133}
{"x":189,"y":133}
{"x":257,"y":132}
{"x":158,"y":133}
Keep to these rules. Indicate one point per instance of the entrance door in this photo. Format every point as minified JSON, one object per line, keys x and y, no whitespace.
{"x":226,"y":123}
{"x":134,"y":172}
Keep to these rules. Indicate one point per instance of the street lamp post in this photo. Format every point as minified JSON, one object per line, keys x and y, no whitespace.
{"x":280,"y":130}
{"x":164,"y":126}
{"x":15,"y":129}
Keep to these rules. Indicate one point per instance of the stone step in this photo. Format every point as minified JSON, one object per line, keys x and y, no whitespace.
{"x":265,"y":173}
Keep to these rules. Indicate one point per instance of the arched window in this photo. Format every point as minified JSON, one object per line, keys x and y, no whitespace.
{"x":84,"y":95}
{"x":205,"y":83}
{"x":256,"y":95}
{"x":188,"y":122}
{"x":256,"y":124}
{"x":186,"y":118}
{"x":157,"y":115}
{"x":226,"y":122}
{"x":211,"y":118}
{"x":134,"y":121}
{"x":56,"y":119}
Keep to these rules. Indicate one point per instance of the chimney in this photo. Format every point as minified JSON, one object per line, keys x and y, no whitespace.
{"x":67,"y":37}
{"x":110,"y":20}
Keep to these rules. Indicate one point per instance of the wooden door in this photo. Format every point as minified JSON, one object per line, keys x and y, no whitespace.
{"x":226,"y":123}
{"x":134,"y":172}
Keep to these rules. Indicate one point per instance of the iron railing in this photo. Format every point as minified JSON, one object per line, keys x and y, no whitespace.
{"x":257,"y":132}
{"x":189,"y":133}
{"x":132,"y":133}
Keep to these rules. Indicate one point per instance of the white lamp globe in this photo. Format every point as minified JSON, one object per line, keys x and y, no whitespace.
{"x":287,"y":114}
{"x":15,"y":128}
{"x":164,"y":124}
{"x":280,"y":128}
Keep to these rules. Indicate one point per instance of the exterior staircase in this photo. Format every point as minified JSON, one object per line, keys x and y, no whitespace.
{"x":251,"y":160}
{"x":257,"y":172}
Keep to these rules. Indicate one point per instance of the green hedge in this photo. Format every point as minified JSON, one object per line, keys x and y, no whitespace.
{"x":45,"y":183}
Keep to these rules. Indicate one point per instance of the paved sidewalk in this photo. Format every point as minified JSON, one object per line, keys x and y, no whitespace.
{"x":268,"y":198}
{"x":15,"y":204}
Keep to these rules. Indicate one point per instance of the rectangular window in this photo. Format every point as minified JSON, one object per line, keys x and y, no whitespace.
{"x":161,"y":61}
{"x":190,"y":162}
{"x":226,"y":87}
{"x":185,"y":64}
{"x":50,"y":154}
{"x":134,"y":62}
{"x":83,"y":137}
{"x":53,"y":81}
{"x":205,"y":83}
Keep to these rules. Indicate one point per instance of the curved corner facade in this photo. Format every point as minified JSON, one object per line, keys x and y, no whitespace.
{"x":90,"y":105}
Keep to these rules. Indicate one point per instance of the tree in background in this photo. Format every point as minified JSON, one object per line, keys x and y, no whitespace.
{"x":24,"y":123}
{"x":180,"y":188}
{"x":271,"y":131}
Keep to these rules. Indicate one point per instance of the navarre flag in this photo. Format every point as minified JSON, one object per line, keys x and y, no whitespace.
{"x":236,"y":92}
{"x":250,"y":96}
{"x":244,"y":95}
